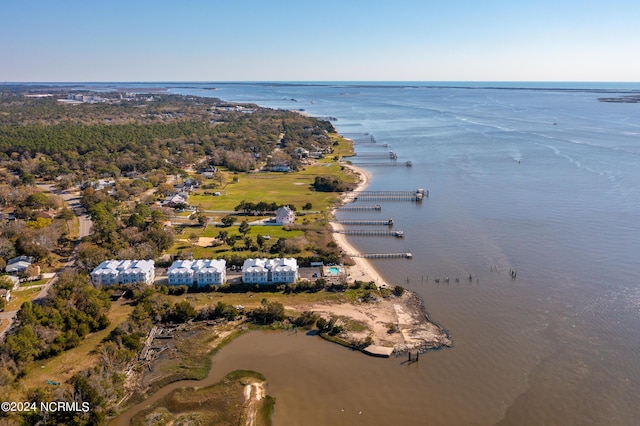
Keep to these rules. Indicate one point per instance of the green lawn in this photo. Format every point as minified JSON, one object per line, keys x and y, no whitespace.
{"x":283,"y":188}
{"x":19,"y":297}
{"x":273,"y":232}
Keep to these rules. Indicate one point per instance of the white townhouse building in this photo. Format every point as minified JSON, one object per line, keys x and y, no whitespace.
{"x":112,"y":272}
{"x":201,"y":272}
{"x":285,"y":216}
{"x":267,"y":271}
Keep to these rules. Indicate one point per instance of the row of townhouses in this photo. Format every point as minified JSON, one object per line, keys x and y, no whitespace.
{"x":112,"y":272}
{"x":201,"y":272}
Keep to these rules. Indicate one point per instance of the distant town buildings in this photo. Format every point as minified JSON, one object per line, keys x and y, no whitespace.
{"x":201,"y":272}
{"x":268,"y":271}
{"x":285,"y":216}
{"x":112,"y":272}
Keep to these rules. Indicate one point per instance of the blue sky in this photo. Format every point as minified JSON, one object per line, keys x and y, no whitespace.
{"x":273,"y":40}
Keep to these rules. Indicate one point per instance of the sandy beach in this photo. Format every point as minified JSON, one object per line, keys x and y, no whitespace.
{"x":362,"y":270}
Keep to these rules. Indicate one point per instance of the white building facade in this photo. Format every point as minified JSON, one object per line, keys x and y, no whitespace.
{"x":269,"y":271}
{"x":201,"y":272}
{"x":285,"y":216}
{"x":111,"y":272}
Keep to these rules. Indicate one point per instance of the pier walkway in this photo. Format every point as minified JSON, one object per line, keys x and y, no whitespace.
{"x":382,"y":255}
{"x":365,"y":222}
{"x":383,"y":164}
{"x":390,"y":155}
{"x":416,"y":195}
{"x":361,"y":207}
{"x":392,"y":233}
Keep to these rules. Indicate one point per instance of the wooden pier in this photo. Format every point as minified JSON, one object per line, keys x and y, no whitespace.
{"x":383,"y":255}
{"x":372,"y":144}
{"x":365,"y":222}
{"x":390,"y":155}
{"x":366,"y":139}
{"x":361,"y":207}
{"x":416,"y":195}
{"x":382,"y":232}
{"x":384,"y":164}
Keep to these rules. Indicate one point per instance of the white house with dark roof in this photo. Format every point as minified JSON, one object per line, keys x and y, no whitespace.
{"x":268,"y":271}
{"x":201,"y":272}
{"x":112,"y":272}
{"x":285,"y":216}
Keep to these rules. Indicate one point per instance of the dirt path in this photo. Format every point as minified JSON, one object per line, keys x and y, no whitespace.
{"x":253,"y":394}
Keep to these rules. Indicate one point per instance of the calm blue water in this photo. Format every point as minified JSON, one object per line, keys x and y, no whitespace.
{"x":543,"y":180}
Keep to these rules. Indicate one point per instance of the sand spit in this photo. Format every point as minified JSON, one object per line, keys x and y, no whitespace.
{"x":400,"y":322}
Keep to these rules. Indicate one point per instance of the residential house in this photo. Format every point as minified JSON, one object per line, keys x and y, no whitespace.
{"x":187,"y":186}
{"x":209,"y":168}
{"x":5,"y":294}
{"x":15,"y":281}
{"x":302,"y":153}
{"x":268,"y":271}
{"x":201,"y":272}
{"x":112,"y":272}
{"x":281,"y":167}
{"x":18,"y":265}
{"x":285,"y":216}
{"x":176,"y":200}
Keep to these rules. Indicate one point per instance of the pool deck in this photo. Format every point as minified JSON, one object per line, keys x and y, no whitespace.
{"x":333,"y":271}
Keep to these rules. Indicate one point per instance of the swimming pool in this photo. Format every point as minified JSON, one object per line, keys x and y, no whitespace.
{"x":334,"y":271}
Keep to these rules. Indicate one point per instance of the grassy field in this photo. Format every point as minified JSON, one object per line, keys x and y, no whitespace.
{"x":272,"y":232}
{"x":19,"y":297}
{"x":65,"y":365}
{"x":252,"y":299}
{"x":283,"y":188}
{"x":293,"y":188}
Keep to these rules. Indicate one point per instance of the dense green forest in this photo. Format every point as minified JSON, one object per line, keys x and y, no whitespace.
{"x":163,"y":132}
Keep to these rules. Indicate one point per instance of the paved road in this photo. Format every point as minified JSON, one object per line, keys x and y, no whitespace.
{"x":73,"y":199}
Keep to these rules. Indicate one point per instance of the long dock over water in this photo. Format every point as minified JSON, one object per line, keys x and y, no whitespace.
{"x":385,"y":232}
{"x":382,"y":255}
{"x":361,"y":207}
{"x":365,"y":221}
{"x":384,"y":164}
{"x":390,"y":155}
{"x":416,"y":195}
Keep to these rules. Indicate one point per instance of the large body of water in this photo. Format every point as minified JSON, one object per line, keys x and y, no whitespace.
{"x":541,"y":180}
